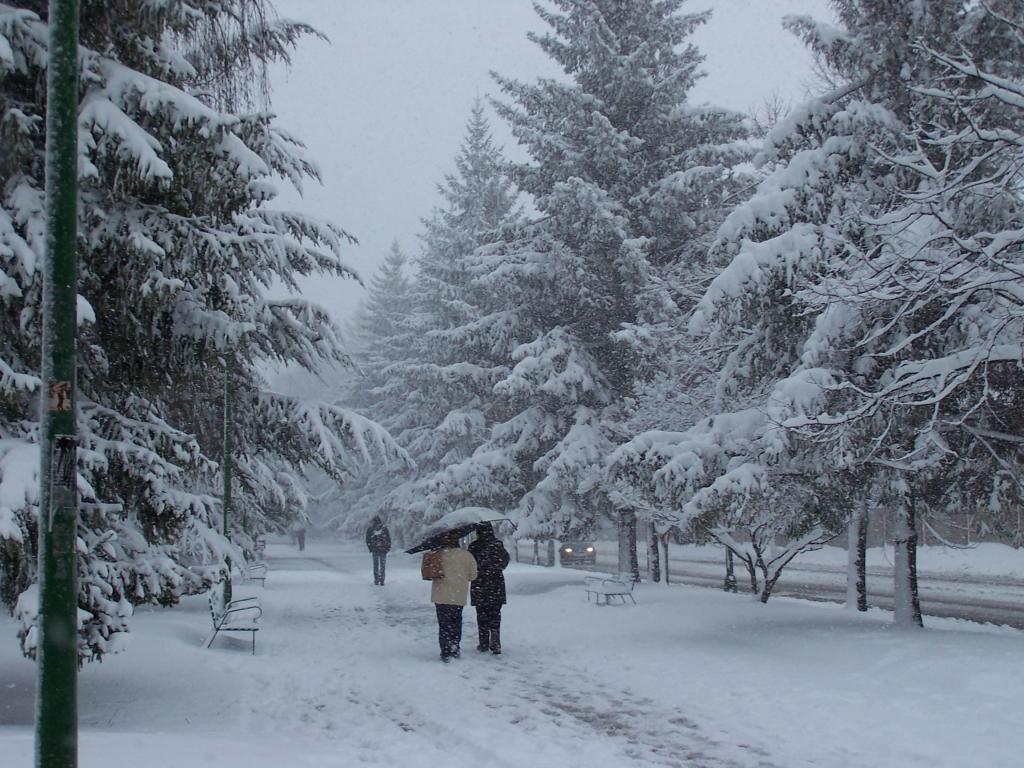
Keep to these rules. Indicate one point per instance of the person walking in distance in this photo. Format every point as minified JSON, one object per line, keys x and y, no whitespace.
{"x":487,"y":592}
{"x":378,"y":541}
{"x":448,"y":594}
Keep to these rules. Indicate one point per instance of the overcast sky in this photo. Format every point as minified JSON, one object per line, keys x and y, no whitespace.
{"x":382,"y":106}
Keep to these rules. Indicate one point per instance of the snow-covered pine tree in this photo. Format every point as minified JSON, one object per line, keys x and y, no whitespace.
{"x":942,"y":295}
{"x":932,"y":314}
{"x":178,"y":251}
{"x":434,"y":390}
{"x":383,"y":330}
{"x":384,"y":334}
{"x":461,"y":352}
{"x":619,"y":162}
{"x":785,"y":342}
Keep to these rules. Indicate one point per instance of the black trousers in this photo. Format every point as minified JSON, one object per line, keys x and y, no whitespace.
{"x":488,"y":617}
{"x":378,"y":567}
{"x":449,"y":628}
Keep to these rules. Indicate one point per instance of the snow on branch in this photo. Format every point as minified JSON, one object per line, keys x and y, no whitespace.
{"x":783,"y":257}
{"x":557,"y":366}
{"x":12,"y":381}
{"x":336,"y":437}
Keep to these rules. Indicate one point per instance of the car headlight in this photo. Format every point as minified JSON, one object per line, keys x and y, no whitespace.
{"x":590,"y":550}
{"x":568,"y":550}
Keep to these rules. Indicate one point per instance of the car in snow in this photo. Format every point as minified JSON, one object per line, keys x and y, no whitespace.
{"x":577,"y":553}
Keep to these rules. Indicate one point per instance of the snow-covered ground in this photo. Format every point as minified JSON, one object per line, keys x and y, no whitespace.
{"x":347,"y":674}
{"x":981,"y":561}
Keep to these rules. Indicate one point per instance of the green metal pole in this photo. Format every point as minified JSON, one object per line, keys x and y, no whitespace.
{"x":228,"y":460}
{"x":57,"y":682}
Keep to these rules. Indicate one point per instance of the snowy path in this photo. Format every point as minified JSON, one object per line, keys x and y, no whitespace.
{"x":347,"y":674}
{"x":369,"y":664}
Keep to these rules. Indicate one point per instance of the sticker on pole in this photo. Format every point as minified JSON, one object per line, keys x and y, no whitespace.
{"x":58,"y":396}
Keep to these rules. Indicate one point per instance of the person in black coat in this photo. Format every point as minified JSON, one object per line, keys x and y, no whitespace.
{"x":378,"y":541}
{"x":487,"y":593}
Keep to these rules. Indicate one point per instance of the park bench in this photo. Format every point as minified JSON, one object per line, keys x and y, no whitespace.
{"x":608,"y":587}
{"x":257,"y":572}
{"x":240,"y":615}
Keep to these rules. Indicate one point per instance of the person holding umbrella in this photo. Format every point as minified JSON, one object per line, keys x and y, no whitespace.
{"x":451,"y":569}
{"x":487,"y":592}
{"x":448,"y":594}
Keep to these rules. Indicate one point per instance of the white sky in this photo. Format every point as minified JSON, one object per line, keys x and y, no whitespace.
{"x":382,"y":107}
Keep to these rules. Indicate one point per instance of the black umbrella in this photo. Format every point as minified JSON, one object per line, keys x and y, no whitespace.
{"x":461,"y":522}
{"x":437,"y":540}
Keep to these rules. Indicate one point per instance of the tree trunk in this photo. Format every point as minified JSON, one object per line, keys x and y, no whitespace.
{"x":653,"y":563}
{"x":856,"y":559}
{"x":536,"y":552}
{"x":907,"y":606}
{"x":769,"y":585}
{"x":634,"y":562}
{"x":627,"y":545}
{"x":551,"y":553}
{"x":752,"y":572}
{"x":664,"y":546}
{"x":862,"y":561}
{"x":912,"y":562}
{"x":730,"y":572}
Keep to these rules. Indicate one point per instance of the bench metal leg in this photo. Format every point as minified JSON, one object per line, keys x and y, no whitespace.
{"x":216,"y":631}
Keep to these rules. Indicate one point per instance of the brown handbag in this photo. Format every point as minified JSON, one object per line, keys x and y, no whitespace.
{"x":431,"y":568}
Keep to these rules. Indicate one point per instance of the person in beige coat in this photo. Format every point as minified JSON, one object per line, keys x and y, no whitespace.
{"x":449,"y":593}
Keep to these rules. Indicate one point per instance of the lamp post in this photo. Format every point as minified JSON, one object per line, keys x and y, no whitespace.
{"x":56,"y":743}
{"x":227,"y":462}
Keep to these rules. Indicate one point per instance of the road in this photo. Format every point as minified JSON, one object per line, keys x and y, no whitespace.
{"x":976,"y":599}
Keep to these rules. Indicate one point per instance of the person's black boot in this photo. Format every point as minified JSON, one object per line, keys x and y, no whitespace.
{"x":484,"y":644}
{"x":495,"y":643}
